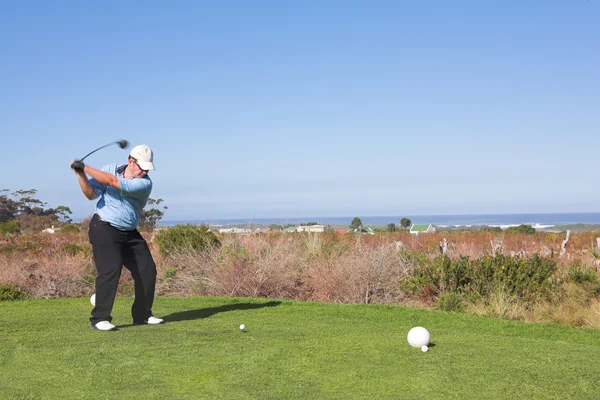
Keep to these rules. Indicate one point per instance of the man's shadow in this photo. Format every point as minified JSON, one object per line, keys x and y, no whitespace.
{"x":207,"y":312}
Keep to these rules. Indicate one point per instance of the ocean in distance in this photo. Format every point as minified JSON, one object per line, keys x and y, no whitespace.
{"x":538,"y":221}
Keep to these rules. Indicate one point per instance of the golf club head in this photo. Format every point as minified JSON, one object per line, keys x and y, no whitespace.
{"x":123,"y":143}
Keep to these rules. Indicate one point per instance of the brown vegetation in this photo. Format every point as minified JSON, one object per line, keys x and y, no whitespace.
{"x":331,"y":267}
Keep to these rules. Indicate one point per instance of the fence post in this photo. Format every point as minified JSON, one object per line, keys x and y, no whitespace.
{"x":444,"y":246}
{"x":563,"y":248}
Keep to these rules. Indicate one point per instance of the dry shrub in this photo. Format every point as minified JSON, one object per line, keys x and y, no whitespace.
{"x":472,"y":245}
{"x":41,"y":265}
{"x":52,"y":276}
{"x":183,"y":272}
{"x":500,"y":304}
{"x":257,"y":266}
{"x":420,"y":243}
{"x":313,"y":242}
{"x":345,"y":268}
{"x":575,"y":309}
{"x":358,"y":276}
{"x":307,"y":267}
{"x":35,"y":223}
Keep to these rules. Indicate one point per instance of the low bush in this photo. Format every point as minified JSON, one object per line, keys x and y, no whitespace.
{"x":525,"y":277}
{"x":395,"y":268}
{"x":10,"y":292}
{"x":501,"y":304}
{"x":70,"y":228}
{"x":526,"y":229}
{"x":574,"y":308}
{"x":580,"y":273}
{"x":10,"y":227}
{"x":32,"y":243}
{"x":170,"y":273}
{"x":186,"y":238}
{"x":585,"y":277}
{"x":73,"y":249}
{"x":450,"y":301}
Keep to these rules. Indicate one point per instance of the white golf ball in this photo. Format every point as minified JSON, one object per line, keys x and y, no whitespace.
{"x":93,"y":300}
{"x":418,"y":337}
{"x":242,"y":327}
{"x":424,"y":349}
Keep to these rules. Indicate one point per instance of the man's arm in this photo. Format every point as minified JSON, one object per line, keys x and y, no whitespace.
{"x":85,"y":184}
{"x":102,"y":177}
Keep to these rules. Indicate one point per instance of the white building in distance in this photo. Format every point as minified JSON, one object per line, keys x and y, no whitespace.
{"x":311,"y":228}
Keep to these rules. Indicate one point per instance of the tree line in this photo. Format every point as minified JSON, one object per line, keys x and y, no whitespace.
{"x":21,"y":210}
{"x":357,"y":225}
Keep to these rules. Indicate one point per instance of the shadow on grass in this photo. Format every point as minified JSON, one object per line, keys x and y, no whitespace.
{"x":207,"y":312}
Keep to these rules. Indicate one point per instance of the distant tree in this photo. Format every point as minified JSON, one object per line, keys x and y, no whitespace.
{"x":27,"y":203}
{"x":30,"y":211}
{"x":275,"y":227}
{"x":490,"y":229}
{"x":527,"y":229}
{"x":8,"y":207}
{"x":309,"y":223}
{"x":152,"y":214}
{"x":356,"y":223}
{"x":405,"y":223}
{"x":391,"y":227}
{"x":63,"y":212}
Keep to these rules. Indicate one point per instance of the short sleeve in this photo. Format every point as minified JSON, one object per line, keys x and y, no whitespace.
{"x":139,"y":188}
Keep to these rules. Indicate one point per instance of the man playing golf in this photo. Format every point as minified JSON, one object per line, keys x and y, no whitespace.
{"x":122,"y":192}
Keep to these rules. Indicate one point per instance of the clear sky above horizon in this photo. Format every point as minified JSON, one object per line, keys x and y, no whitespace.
{"x":309,"y":109}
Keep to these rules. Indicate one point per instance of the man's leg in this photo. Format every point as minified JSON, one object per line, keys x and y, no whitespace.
{"x":106,"y":245}
{"x":139,"y":261}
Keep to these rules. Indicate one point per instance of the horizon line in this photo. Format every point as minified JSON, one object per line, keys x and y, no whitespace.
{"x":384,"y":216}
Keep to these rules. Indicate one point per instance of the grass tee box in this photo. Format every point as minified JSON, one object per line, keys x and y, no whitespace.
{"x":289,"y":350}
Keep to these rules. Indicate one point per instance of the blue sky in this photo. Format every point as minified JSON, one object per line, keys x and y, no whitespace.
{"x":309,"y":109}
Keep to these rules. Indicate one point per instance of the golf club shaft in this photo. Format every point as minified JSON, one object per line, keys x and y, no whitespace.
{"x":122,"y":144}
{"x":99,"y":148}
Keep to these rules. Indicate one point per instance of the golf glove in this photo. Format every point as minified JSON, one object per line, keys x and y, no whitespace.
{"x":77,"y":165}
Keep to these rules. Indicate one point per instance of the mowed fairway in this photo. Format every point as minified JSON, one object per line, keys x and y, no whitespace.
{"x":291,"y":350}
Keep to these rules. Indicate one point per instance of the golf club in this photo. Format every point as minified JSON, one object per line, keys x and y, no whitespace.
{"x":122,"y":144}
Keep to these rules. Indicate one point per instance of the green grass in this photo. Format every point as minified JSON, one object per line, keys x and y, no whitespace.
{"x":292,"y":350}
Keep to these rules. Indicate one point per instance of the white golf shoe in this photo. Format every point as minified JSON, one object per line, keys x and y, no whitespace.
{"x":104,"y":326}
{"x":154,"y":321}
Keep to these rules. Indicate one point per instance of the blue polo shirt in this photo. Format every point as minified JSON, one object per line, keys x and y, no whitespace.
{"x":123,"y":207}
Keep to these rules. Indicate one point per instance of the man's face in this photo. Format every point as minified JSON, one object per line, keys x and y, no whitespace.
{"x":135,"y":169}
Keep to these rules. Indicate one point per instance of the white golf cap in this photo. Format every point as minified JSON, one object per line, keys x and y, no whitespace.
{"x":144,"y":156}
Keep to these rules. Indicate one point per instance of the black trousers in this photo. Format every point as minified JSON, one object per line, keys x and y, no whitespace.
{"x":112,"y":249}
